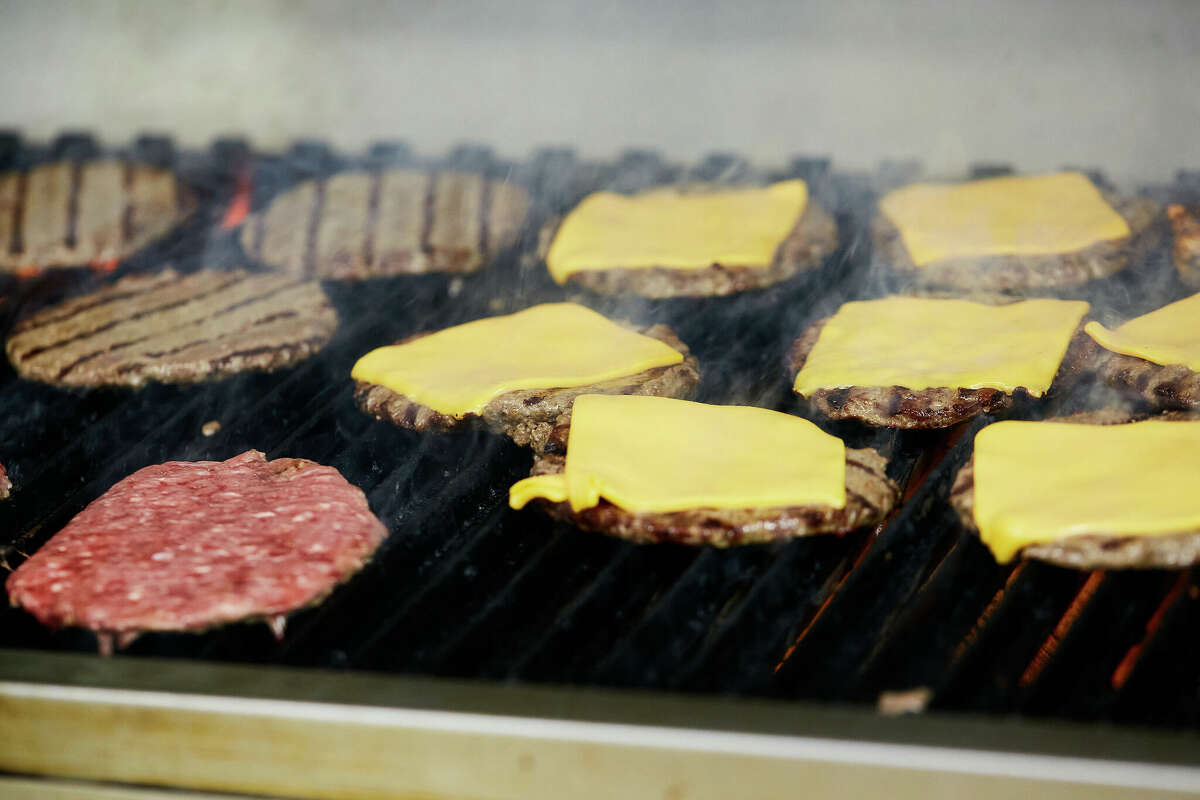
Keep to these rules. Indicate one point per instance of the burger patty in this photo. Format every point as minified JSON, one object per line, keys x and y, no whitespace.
{"x":173,"y":328}
{"x":528,"y":416}
{"x":1007,"y":273}
{"x":898,"y":407}
{"x":870,"y":495}
{"x":1186,"y":226}
{"x":1161,"y":386}
{"x":1094,"y":550}
{"x":810,"y":242}
{"x":5,"y":483}
{"x":72,"y":213}
{"x":185,"y":546}
{"x":365,"y":225}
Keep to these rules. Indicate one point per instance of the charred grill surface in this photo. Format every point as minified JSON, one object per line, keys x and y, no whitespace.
{"x":465,"y":587}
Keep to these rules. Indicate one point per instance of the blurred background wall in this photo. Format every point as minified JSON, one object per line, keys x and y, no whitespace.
{"x":1037,"y":84}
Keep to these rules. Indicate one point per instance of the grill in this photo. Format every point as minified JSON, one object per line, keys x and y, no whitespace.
{"x":465,"y":588}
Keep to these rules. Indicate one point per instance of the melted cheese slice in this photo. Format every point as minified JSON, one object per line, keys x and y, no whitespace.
{"x":921,"y":343}
{"x":677,"y":230}
{"x":658,"y":454}
{"x":1032,"y":215}
{"x":459,"y":370}
{"x":1170,"y":335}
{"x":1039,"y":482}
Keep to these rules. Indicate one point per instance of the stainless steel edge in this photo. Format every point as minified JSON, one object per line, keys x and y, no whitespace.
{"x":316,"y":733}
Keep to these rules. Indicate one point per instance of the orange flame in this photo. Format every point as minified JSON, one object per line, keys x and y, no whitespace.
{"x":239,"y":207}
{"x":104,"y":265}
{"x":29,"y":271}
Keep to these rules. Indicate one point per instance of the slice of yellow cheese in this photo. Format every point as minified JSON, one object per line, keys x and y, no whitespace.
{"x":677,"y":230}
{"x":1170,"y":335}
{"x":1040,"y":482}
{"x":1027,"y":215}
{"x":920,"y":343}
{"x":659,"y":454}
{"x":459,"y":370}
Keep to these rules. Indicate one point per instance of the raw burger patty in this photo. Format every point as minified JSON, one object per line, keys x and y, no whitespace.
{"x":68,"y":214}
{"x":529,"y":415}
{"x":1015,"y":273}
{"x":174,"y":328}
{"x":365,"y":225}
{"x":812,"y":239}
{"x":898,"y":407}
{"x":185,"y":546}
{"x":870,"y":495}
{"x":1093,"y":551}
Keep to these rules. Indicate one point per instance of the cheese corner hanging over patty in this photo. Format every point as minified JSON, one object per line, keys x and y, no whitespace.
{"x":1169,"y":335}
{"x":1039,"y":482}
{"x":659,"y":454}
{"x":921,"y":343}
{"x":677,"y":230}
{"x":458,"y":370}
{"x":1012,"y":215}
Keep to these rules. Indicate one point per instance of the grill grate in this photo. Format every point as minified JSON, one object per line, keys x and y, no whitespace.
{"x":465,"y":587}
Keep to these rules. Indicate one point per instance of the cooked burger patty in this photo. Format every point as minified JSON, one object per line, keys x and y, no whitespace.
{"x":527,"y":416}
{"x":870,"y":495}
{"x":1186,"y":227}
{"x":1018,"y":272}
{"x":174,"y":328}
{"x":185,"y":546}
{"x":812,"y":240}
{"x":898,"y":407}
{"x":68,"y":214}
{"x":1093,"y":551}
{"x":366,"y":225}
{"x":1170,"y":386}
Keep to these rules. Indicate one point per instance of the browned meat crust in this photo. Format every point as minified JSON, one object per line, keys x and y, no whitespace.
{"x":1092,"y":551}
{"x":174,"y":328}
{"x":898,"y":407}
{"x":870,"y":496}
{"x":805,"y":248}
{"x":65,"y":214}
{"x":1163,"y":387}
{"x":1018,"y":272}
{"x":356,"y":225}
{"x":528,"y":416}
{"x":1186,"y":226}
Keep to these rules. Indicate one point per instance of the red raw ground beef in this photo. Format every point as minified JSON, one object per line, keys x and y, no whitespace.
{"x":185,"y":546}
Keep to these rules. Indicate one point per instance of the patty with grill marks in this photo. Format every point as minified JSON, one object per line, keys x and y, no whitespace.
{"x":870,"y":496}
{"x":806,"y":247}
{"x":1094,"y":550}
{"x":356,"y":225}
{"x":528,"y":416}
{"x":1185,"y":224}
{"x":67,"y":213}
{"x":1015,"y":273}
{"x":173,"y":328}
{"x":899,"y":407}
{"x":1160,"y":386}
